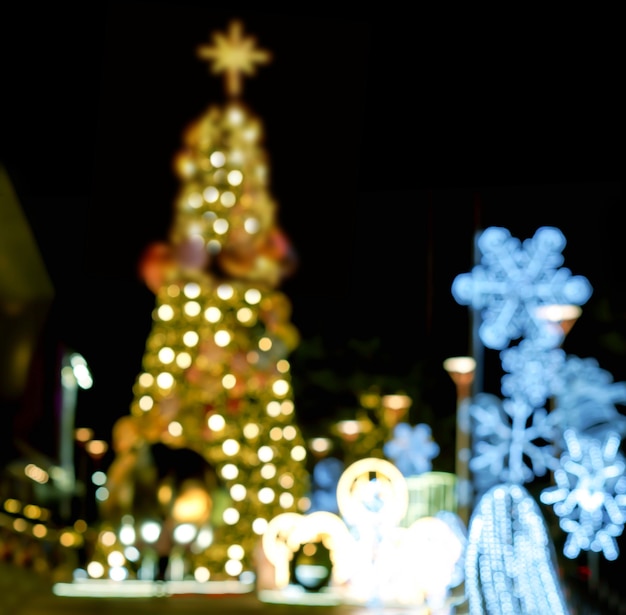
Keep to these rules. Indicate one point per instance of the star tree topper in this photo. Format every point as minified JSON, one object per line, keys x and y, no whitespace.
{"x":233,"y":55}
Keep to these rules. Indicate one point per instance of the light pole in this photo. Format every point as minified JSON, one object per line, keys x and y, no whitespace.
{"x":462,"y":370}
{"x":75,"y":374}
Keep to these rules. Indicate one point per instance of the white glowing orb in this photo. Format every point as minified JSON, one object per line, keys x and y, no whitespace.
{"x":95,"y":570}
{"x":280,"y":387}
{"x":150,"y":531}
{"x":184,"y":533}
{"x":216,"y":422}
{"x":191,"y":290}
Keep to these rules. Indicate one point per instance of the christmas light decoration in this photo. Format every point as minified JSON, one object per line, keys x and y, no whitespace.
{"x":553,"y":400}
{"x":531,"y":371}
{"x":411,"y":448}
{"x":586,"y":399}
{"x":510,"y":563}
{"x":513,"y":280}
{"x":590,"y":494}
{"x":375,"y":562}
{"x":215,"y":378}
{"x":325,"y":476}
{"x":430,"y":494}
{"x":511,"y":441}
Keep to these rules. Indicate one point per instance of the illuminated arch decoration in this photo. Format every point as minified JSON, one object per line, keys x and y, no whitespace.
{"x":590,"y":494}
{"x":372,"y":492}
{"x":287,"y":532}
{"x":509,"y":556}
{"x":513,"y":280}
{"x":373,"y":499}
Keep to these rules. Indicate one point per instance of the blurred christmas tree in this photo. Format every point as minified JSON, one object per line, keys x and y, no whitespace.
{"x":211,"y":450}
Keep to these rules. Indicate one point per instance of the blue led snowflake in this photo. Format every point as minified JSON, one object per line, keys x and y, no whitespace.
{"x":511,"y":441}
{"x":412,"y":448}
{"x":590,"y":494}
{"x":585,"y":399}
{"x":513,"y":280}
{"x":325,"y":478}
{"x":532,"y":371}
{"x":559,"y":412}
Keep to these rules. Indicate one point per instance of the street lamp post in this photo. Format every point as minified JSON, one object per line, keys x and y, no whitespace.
{"x":462,"y":370}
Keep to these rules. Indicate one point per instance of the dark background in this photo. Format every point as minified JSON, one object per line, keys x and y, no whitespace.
{"x":392,"y":141}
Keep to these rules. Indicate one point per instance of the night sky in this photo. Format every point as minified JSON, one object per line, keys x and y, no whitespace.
{"x":391,"y":143}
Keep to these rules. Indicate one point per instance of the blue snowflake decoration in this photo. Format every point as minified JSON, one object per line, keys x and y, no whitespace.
{"x":513,"y":280}
{"x":325,"y":477}
{"x":411,"y":449}
{"x":585,"y":399}
{"x":532,"y":371}
{"x":511,"y":441}
{"x":590,"y":494}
